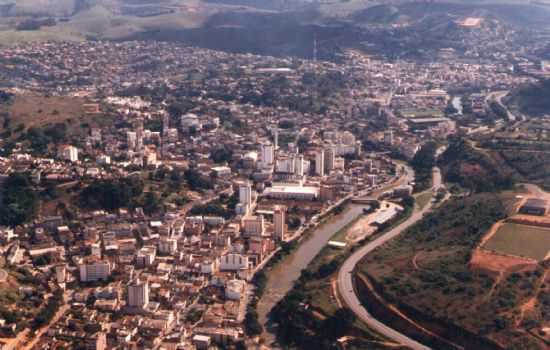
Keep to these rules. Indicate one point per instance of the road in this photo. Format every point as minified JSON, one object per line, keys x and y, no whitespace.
{"x":497,"y":97}
{"x":345,"y":275}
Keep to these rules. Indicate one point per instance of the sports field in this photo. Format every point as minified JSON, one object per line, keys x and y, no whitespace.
{"x":521,"y":240}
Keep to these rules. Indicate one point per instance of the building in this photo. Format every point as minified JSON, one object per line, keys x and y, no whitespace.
{"x":388,"y":137}
{"x":279,"y":222}
{"x":299,"y":166}
{"x":254,"y":225}
{"x":61,"y":273}
{"x":234,"y":289}
{"x":245,"y":193}
{"x":233,"y":262}
{"x":267,"y":154}
{"x":320,"y":162}
{"x":131,"y":139}
{"x":168,"y":245}
{"x":534,"y":206}
{"x":146,"y":256}
{"x":92,"y":269}
{"x":138,"y":294}
{"x":330,"y":156}
{"x":292,"y":192}
{"x":69,"y":153}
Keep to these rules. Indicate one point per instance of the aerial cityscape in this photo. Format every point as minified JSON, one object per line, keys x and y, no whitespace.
{"x":274,"y":174}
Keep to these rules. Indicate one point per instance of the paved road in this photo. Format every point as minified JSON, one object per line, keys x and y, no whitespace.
{"x":345,"y":276}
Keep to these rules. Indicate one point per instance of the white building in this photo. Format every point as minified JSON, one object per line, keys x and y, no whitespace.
{"x":388,"y":137}
{"x":234,"y":262}
{"x":292,"y":192}
{"x":146,"y":256}
{"x":279,"y":223}
{"x":245,"y":193}
{"x":138,"y":294}
{"x":234,"y":289}
{"x":168,"y":245}
{"x":254,"y":225}
{"x":92,"y":270}
{"x":320,"y":162}
{"x":330,"y":155}
{"x":69,"y":153}
{"x":61,"y":273}
{"x":131,"y":139}
{"x":267,"y":154}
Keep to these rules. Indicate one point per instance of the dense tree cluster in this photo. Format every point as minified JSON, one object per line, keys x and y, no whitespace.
{"x":423,"y":162}
{"x":18,"y":200}
{"x":461,"y":163}
{"x":111,"y":194}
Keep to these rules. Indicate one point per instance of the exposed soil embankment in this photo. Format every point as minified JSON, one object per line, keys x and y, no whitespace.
{"x":436,"y":333}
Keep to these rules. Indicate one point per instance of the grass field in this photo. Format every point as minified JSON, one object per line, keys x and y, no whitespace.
{"x":521,"y":240}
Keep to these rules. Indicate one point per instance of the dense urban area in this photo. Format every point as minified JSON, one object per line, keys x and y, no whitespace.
{"x":161,"y":195}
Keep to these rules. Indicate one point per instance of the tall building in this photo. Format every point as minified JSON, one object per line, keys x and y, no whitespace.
{"x":131,"y":139}
{"x":254,"y":225}
{"x":268,"y":154}
{"x":388,"y":137}
{"x":299,"y":165}
{"x":320,"y":162}
{"x":93,"y":269}
{"x":165,"y":124}
{"x":69,"y":153}
{"x":279,"y":214}
{"x":139,"y":135}
{"x":138,"y":294}
{"x":275,"y":132}
{"x":330,"y":156}
{"x":245,"y":193}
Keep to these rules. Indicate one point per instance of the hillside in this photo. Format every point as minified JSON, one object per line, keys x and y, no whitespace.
{"x":532,"y":100}
{"x":436,"y":285}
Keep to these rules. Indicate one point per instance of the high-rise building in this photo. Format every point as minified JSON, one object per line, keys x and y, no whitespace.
{"x":138,"y":294}
{"x":268,"y":154}
{"x":93,"y":269}
{"x":320,"y":162}
{"x":279,"y":214}
{"x":330,"y":156}
{"x":69,"y":153}
{"x":245,"y":193}
{"x":131,"y":139}
{"x":275,"y":132}
{"x":139,"y":135}
{"x":165,"y":124}
{"x":388,"y":137}
{"x":299,"y":166}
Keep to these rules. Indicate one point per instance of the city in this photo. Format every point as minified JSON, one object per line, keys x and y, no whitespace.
{"x":157,"y":195}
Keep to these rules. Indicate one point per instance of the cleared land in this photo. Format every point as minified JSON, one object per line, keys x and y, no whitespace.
{"x":521,"y":240}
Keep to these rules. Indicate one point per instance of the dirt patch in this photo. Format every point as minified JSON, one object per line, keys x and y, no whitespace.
{"x":483,"y":260}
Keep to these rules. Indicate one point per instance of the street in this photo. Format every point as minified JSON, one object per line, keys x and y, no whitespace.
{"x":345,"y":275}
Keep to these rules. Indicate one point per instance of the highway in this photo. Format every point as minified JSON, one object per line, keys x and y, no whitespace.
{"x":345,"y":275}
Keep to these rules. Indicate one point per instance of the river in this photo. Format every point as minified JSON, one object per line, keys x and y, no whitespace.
{"x":280,"y":279}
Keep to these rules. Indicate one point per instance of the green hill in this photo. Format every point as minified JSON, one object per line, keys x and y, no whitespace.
{"x":532,"y":100}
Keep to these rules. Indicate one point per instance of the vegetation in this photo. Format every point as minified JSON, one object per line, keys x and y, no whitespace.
{"x":49,"y":310}
{"x":532,"y":99}
{"x":434,"y":283}
{"x":19,"y":200}
{"x":111,"y":194}
{"x":196,"y":181}
{"x":473,"y":169}
{"x":423,"y":162}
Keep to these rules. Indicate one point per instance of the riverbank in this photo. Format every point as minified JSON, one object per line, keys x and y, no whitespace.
{"x":306,"y":317}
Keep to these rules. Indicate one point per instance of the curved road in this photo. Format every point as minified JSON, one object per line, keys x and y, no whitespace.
{"x":345,"y":276}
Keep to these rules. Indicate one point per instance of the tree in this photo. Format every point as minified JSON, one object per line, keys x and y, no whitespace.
{"x":151,"y":203}
{"x":19,"y":200}
{"x":111,"y":194}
